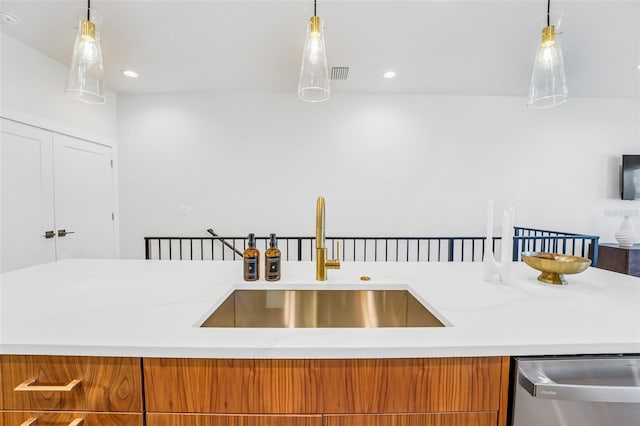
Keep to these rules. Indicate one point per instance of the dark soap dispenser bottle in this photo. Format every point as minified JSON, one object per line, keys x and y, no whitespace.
{"x":251,"y":260}
{"x":272,"y":260}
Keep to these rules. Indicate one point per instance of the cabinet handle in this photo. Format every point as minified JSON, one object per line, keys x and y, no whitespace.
{"x":49,"y":234}
{"x":538,"y":385}
{"x":64,"y":232}
{"x":34,"y":421}
{"x":30,"y":386}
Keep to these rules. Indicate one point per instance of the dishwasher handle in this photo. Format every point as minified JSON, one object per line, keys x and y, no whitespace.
{"x":538,"y":385}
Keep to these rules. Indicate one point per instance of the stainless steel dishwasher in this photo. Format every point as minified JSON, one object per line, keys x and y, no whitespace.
{"x":577,"y":391}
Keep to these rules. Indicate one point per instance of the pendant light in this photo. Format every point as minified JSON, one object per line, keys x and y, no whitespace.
{"x":548,"y":81}
{"x":313,"y":84}
{"x":85,"y":82}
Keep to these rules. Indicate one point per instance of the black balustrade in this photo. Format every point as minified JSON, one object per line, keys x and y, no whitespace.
{"x":374,"y":249}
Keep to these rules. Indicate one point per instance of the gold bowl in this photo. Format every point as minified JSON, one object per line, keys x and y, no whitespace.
{"x":554,"y":266}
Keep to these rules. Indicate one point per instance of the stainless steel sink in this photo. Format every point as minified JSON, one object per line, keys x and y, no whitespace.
{"x":321,"y":308}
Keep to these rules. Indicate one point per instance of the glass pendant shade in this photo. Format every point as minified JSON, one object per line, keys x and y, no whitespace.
{"x":85,"y":82}
{"x":313,"y":84}
{"x":548,"y":81}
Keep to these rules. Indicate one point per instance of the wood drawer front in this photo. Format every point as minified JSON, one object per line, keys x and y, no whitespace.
{"x":322,"y":386}
{"x":52,"y":418}
{"x":154,"y":419}
{"x":107,"y":384}
{"x":429,"y":419}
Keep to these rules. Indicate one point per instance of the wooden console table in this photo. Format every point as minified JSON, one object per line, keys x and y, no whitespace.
{"x":614,"y":258}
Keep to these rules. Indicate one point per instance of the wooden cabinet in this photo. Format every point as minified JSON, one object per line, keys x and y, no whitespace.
{"x":625,"y":260}
{"x":322,"y":386}
{"x":423,"y":391}
{"x":154,"y":419}
{"x":58,"y":390}
{"x":421,"y":419}
{"x":49,"y":418}
{"x":92,"y":383}
{"x":430,"y":419}
{"x":426,"y":419}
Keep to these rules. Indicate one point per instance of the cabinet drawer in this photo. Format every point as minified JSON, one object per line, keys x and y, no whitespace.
{"x":418,"y":419}
{"x":70,"y":383}
{"x":222,"y":420}
{"x":322,"y":386}
{"x":44,"y":418}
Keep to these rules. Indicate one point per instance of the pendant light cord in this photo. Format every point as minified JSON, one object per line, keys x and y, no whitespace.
{"x":88,"y":10}
{"x":548,"y":13}
{"x":314,"y":7}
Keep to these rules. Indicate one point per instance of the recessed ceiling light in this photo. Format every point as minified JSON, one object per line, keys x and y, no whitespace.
{"x":9,"y":18}
{"x":130,"y":73}
{"x":389,"y":74}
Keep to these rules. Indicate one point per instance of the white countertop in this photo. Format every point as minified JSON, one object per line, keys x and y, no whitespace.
{"x":154,"y":309}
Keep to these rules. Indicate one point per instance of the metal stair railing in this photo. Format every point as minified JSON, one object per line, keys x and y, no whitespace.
{"x":375,"y":249}
{"x":533,"y":239}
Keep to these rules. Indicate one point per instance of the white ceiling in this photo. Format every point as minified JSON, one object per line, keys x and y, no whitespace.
{"x":471,"y":47}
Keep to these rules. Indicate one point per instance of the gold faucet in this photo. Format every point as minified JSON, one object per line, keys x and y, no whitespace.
{"x":322,"y":263}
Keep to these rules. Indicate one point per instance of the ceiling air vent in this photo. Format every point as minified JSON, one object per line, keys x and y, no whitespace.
{"x":339,"y":73}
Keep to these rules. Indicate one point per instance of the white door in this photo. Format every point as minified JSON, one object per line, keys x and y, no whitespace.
{"x":27,"y":196}
{"x":84,"y":198}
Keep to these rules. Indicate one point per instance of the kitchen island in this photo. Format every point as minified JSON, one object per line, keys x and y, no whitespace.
{"x":120,"y":342}
{"x":154,"y":309}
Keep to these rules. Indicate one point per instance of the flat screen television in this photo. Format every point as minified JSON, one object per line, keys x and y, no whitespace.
{"x":630,"y":179}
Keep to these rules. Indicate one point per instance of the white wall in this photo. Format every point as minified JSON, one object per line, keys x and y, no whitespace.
{"x":32,"y":91}
{"x":387,"y":164}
